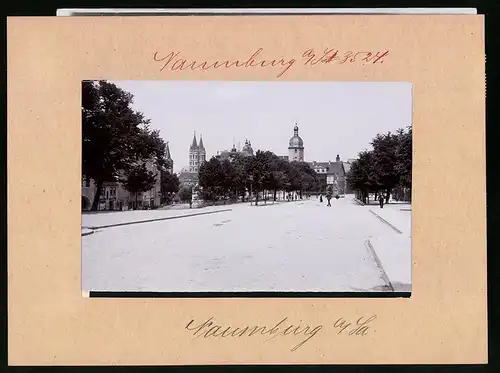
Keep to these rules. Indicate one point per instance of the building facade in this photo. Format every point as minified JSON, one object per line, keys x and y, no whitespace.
{"x":331,"y":173}
{"x":115,"y":197}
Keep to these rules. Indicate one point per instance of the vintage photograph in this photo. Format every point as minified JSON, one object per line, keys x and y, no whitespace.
{"x":246,"y":186}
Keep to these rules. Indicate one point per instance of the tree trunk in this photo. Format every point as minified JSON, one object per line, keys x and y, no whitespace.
{"x":97,"y":196}
{"x":256,"y":197}
{"x":300,"y":194}
{"x":274,"y":198}
{"x":387,"y":195}
{"x":375,"y":197}
{"x":136,"y":205}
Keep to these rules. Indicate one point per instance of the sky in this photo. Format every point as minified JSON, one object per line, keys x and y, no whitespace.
{"x":333,"y":117}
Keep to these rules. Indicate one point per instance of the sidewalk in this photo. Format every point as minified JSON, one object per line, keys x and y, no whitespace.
{"x":116,"y":218}
{"x":396,"y":214}
{"x":394,"y":251}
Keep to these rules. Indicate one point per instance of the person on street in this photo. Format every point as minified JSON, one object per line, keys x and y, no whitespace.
{"x":329,"y":198}
{"x":381,"y":201}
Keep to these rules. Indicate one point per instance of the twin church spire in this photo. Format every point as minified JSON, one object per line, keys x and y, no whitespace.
{"x":195,"y":144}
{"x":197,"y":154}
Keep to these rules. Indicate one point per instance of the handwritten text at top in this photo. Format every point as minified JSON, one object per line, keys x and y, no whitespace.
{"x":175,"y":61}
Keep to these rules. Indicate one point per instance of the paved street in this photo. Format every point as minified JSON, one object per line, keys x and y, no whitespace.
{"x":295,"y":246}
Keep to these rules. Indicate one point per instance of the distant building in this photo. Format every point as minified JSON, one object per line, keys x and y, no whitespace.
{"x":230,"y":155}
{"x":197,"y":156}
{"x":188,"y":178}
{"x":170,"y":163}
{"x":114,"y":196}
{"x":331,"y":173}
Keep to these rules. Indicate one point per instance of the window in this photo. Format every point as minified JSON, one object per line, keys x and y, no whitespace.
{"x":296,"y":150}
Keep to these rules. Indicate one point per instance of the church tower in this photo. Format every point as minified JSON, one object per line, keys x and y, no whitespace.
{"x":194,"y":155}
{"x":197,"y":154}
{"x":296,"y":146}
{"x":202,"y":154}
{"x":170,"y":162}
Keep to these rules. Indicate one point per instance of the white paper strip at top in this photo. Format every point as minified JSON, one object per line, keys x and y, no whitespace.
{"x":139,"y":11}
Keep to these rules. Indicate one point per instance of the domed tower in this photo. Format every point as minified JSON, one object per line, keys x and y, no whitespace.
{"x":296,"y":146}
{"x":233,"y":153}
{"x":247,"y":149}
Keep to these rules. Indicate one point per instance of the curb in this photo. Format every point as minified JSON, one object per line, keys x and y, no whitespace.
{"x":386,"y":222}
{"x":359,"y":202}
{"x":88,"y":233}
{"x":158,"y":219}
{"x":277,"y":203}
{"x":373,"y":253}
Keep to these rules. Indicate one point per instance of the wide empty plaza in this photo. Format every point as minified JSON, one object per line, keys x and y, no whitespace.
{"x":289,"y":246}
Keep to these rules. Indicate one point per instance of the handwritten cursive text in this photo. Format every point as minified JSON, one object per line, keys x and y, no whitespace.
{"x":209,"y":328}
{"x":360,"y":327}
{"x":175,"y":61}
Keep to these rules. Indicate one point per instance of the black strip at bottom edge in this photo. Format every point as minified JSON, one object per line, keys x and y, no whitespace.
{"x":145,"y":294}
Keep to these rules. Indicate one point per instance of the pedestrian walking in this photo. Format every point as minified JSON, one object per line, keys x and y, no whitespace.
{"x":329,"y":198}
{"x":381,"y":201}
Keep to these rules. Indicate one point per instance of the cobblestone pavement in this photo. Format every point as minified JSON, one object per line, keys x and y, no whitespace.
{"x":299,"y":246}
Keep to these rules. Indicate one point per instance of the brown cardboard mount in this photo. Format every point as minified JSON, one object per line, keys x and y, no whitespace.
{"x":50,"y":323}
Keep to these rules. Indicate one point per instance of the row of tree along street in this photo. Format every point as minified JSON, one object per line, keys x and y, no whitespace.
{"x":117,"y":142}
{"x":264,"y":173}
{"x":384,"y":169}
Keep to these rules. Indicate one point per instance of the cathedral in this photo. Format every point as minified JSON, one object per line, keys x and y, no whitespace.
{"x":197,"y":154}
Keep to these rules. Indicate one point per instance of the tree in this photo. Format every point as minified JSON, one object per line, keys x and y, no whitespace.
{"x":227,"y":179}
{"x":384,"y":158}
{"x":138,"y":180}
{"x":308,"y":177}
{"x":386,"y":167}
{"x":362,"y":176}
{"x":211,"y":179}
{"x":404,"y":158}
{"x":169,"y":185}
{"x":114,"y":136}
{"x":186,"y":193}
{"x":295,"y":176}
{"x":240,"y":175}
{"x":259,"y":169}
